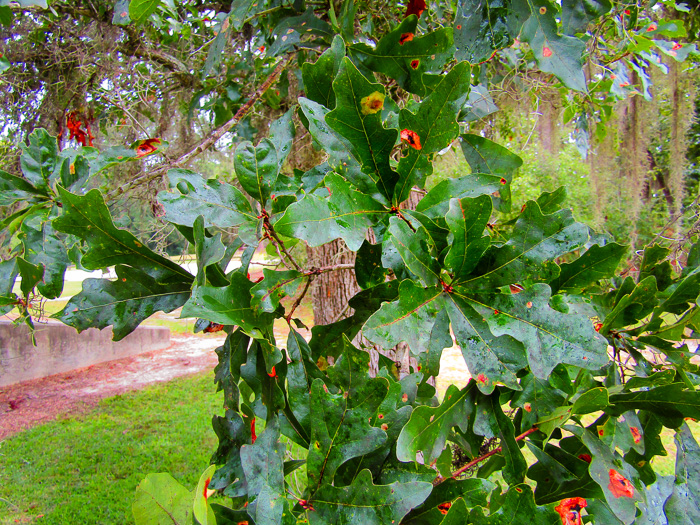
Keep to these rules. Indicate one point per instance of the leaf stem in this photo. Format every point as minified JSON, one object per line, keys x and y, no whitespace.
{"x":478,"y":460}
{"x":298,"y":300}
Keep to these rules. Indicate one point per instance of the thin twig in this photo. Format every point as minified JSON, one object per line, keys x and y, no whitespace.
{"x":272,"y":234}
{"x":207,"y":142}
{"x":288,"y":318}
{"x":478,"y":460}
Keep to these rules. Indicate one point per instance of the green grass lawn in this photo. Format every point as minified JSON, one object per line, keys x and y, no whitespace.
{"x":85,"y":469}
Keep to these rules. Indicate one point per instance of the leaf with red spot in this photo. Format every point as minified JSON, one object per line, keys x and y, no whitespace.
{"x":430,"y":128}
{"x":146,"y":147}
{"x":203,"y":512}
{"x":407,"y":58}
{"x":618,"y":480}
{"x":485,"y":156}
{"x":555,"y":53}
{"x":518,"y":507}
{"x":569,"y":510}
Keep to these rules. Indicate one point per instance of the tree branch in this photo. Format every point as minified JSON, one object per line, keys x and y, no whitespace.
{"x":478,"y":460}
{"x":207,"y":142}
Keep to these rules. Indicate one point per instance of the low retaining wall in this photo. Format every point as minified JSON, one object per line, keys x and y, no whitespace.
{"x":59,"y":348}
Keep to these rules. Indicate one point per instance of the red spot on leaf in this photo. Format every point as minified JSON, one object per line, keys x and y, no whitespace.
{"x":206,"y":486}
{"x":627,"y":12}
{"x":624,"y":84}
{"x":213,"y":327}
{"x":406,"y":37}
{"x":527,"y":407}
{"x":444,"y":507}
{"x":516,"y":288}
{"x":412,"y":138}
{"x":415,"y":63}
{"x":652,"y":27}
{"x":380,"y":416}
{"x":636,"y":435}
{"x":272,"y":372}
{"x":619,"y":485}
{"x":546,"y":52}
{"x":503,"y":181}
{"x":385,"y":427}
{"x":529,"y":304}
{"x":459,"y":26}
{"x":677,"y":46}
{"x":404,"y":398}
{"x":585,"y":457}
{"x":598,"y":326}
{"x":252,"y":430}
{"x":481,"y":378}
{"x":496,"y":312}
{"x":415,"y":7}
{"x":146,"y":147}
{"x":601,"y":432}
{"x":570,"y":510}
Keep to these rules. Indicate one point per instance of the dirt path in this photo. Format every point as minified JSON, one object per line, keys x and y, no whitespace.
{"x":30,"y":403}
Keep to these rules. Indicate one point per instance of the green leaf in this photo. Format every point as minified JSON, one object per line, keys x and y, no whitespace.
{"x":369,"y":271}
{"x":257,"y":168}
{"x":435,"y":122}
{"x":8,"y":275}
{"x":599,"y":262}
{"x":44,"y":247}
{"x":216,"y":49}
{"x":618,"y":480}
{"x":346,"y":214}
{"x":202,"y":511}
{"x":367,"y":503}
{"x":263,"y":464}
{"x":633,"y":306}
{"x":529,"y":254}
{"x":338,"y":434}
{"x":230,"y":305}
{"x":672,"y":401}
{"x":480,"y":28}
{"x":490,"y":359}
{"x":576,"y":14}
{"x":233,"y":431}
{"x":88,"y":217}
{"x":30,"y":274}
{"x":682,"y":505}
{"x":282,"y":134}
{"x":549,"y":336}
{"x":318,"y":77}
{"x":38,"y":159}
{"x":275,"y":285}
{"x":232,"y":354}
{"x":407,"y":61}
{"x":489,"y":415}
{"x":161,"y":500}
{"x":518,"y":507}
{"x":557,"y":54}
{"x":485,"y":156}
{"x":410,"y":319}
{"x":472,"y":491}
{"x":370,"y":142}
{"x":291,"y":29}
{"x":341,"y":155}
{"x":301,"y":372}
{"x":592,"y":400}
{"x":560,"y":474}
{"x":124,"y":303}
{"x":222,"y":205}
{"x":467,"y":219}
{"x":539,"y":398}
{"x":141,"y":10}
{"x":429,"y":427}
{"x":209,"y":250}
{"x":415,"y":250}
{"x":436,"y":201}
{"x":16,"y":189}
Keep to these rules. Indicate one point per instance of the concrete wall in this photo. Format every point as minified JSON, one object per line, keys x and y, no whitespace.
{"x":59,"y":348}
